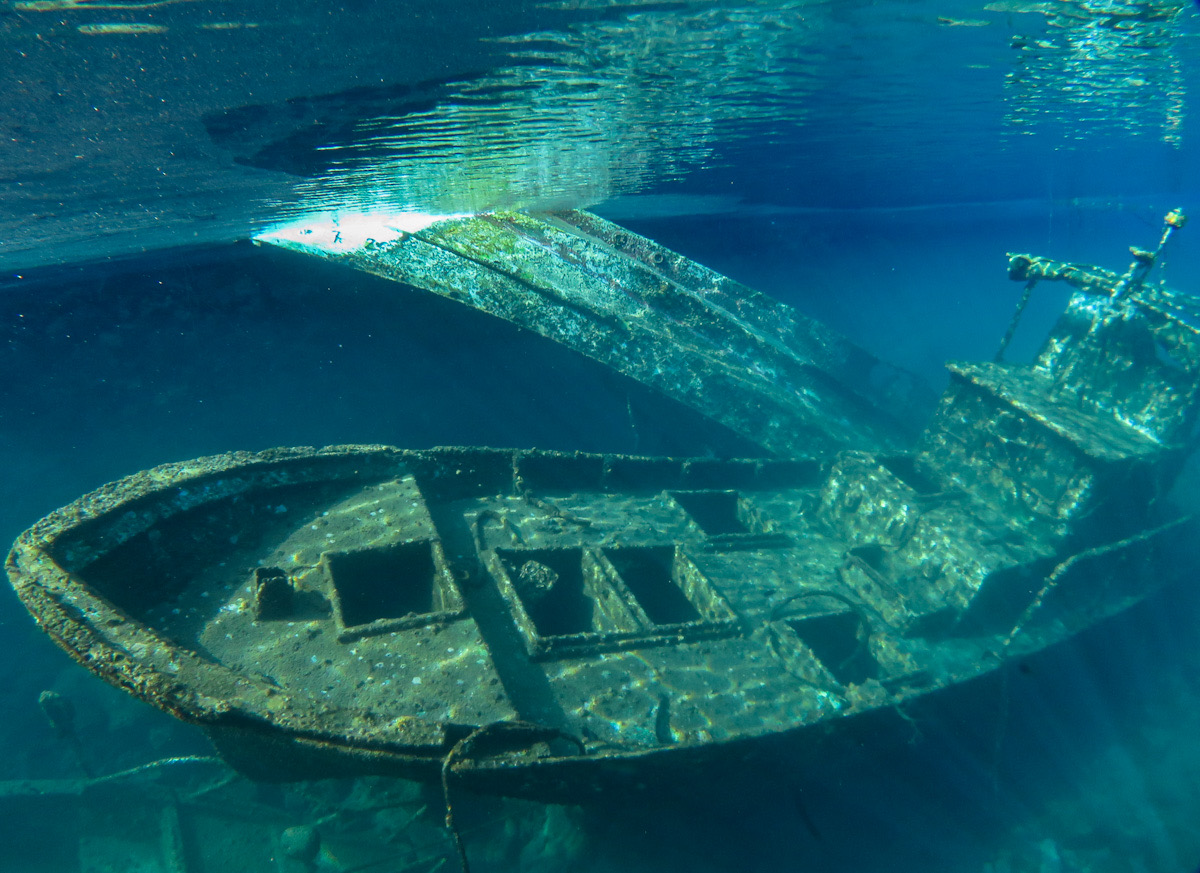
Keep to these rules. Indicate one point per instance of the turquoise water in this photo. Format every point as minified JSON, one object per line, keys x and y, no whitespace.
{"x":867,"y":163}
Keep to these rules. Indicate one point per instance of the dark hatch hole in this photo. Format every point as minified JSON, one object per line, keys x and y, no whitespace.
{"x":649,"y":575}
{"x":550,"y":585}
{"x":904,"y":468}
{"x":383,"y":583}
{"x":871,"y":554}
{"x":839,"y":641}
{"x":716,"y":512}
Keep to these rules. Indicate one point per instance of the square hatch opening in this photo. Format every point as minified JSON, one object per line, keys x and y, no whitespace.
{"x":839,"y":641}
{"x":388,"y":588}
{"x":550,"y":586}
{"x":669,"y":590}
{"x":728,"y":520}
{"x":652,"y":577}
{"x":717,"y":513}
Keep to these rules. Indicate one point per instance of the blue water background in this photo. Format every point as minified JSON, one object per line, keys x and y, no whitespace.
{"x":886,"y":214}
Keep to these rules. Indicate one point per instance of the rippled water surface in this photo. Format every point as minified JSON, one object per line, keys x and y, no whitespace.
{"x":134,"y":124}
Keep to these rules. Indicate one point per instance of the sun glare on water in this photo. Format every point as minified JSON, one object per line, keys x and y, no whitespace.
{"x":346,"y":231}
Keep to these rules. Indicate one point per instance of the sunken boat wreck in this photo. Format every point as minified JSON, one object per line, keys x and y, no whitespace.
{"x":544,"y":624}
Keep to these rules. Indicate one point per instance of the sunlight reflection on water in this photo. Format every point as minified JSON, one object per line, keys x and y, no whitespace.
{"x":644,"y":97}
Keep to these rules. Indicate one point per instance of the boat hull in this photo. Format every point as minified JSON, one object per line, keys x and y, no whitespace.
{"x":370,"y":610}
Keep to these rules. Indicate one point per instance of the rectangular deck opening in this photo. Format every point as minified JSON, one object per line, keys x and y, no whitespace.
{"x":839,"y":640}
{"x":549,"y":583}
{"x":386,"y":583}
{"x":650,"y":575}
{"x":716,"y":512}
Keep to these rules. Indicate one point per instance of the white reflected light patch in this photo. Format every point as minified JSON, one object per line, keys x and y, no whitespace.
{"x":346,"y":231}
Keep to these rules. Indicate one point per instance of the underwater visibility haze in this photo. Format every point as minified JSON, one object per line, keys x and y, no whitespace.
{"x":713,"y":579}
